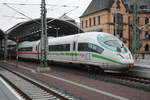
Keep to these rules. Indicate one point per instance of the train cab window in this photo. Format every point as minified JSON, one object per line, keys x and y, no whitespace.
{"x":113,"y":43}
{"x":90,"y":47}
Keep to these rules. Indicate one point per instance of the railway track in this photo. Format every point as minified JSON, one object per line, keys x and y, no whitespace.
{"x":131,"y":78}
{"x":126,"y":79}
{"x":29,"y":89}
{"x":122,"y":76}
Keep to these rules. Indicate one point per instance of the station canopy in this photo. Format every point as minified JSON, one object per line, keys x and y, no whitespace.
{"x":31,"y":30}
{"x":1,"y":34}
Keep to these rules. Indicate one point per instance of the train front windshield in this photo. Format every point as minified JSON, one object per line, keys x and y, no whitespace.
{"x":112,"y":43}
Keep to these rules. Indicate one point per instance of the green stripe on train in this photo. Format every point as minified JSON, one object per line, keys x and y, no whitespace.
{"x":93,"y":55}
{"x":108,"y":59}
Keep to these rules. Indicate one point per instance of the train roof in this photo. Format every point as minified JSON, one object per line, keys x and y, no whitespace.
{"x":87,"y":36}
{"x":28,"y":43}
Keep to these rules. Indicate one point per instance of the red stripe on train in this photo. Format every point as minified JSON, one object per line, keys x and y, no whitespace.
{"x":34,"y":53}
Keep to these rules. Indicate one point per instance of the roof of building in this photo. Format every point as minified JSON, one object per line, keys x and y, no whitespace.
{"x":100,"y":5}
{"x":31,"y":30}
{"x":66,"y":18}
{"x":97,"y":5}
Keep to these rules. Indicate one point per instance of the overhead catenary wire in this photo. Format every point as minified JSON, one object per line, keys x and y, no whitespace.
{"x":25,"y":4}
{"x":20,"y":13}
{"x":10,"y":18}
{"x":15,"y":17}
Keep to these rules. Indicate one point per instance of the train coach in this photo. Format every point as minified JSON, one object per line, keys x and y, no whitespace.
{"x":99,"y":49}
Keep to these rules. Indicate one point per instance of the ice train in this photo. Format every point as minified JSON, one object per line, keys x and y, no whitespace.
{"x":99,"y":49}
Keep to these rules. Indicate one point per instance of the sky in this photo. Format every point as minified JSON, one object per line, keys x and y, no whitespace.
{"x":55,"y":9}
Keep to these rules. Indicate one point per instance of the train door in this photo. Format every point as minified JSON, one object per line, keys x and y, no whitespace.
{"x":84,"y":52}
{"x":74,"y":51}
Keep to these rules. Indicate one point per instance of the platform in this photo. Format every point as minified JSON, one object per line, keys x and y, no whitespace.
{"x":142,"y":63}
{"x":7,"y":93}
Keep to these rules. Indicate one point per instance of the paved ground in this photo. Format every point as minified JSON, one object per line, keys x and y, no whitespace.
{"x":142,"y":63}
{"x":141,"y":68}
{"x":87,"y":89}
{"x":5,"y":93}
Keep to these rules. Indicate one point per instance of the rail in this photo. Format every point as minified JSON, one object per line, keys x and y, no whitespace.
{"x":28,"y":88}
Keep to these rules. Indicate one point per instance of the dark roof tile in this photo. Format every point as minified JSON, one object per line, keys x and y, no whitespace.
{"x":97,"y":5}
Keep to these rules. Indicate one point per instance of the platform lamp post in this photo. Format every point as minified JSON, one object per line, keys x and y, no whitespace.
{"x":44,"y":41}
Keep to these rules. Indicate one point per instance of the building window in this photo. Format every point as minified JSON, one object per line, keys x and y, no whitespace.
{"x":131,"y":7}
{"x":147,"y":35}
{"x":82,"y":24}
{"x":90,"y":22}
{"x":146,"y":20}
{"x":94,"y":21}
{"x":138,"y":20}
{"x":118,"y":19}
{"x":86,"y":23}
{"x":99,"y":20}
{"x":143,"y":7}
{"x":126,"y":1}
{"x":147,"y":47}
{"x":119,"y":33}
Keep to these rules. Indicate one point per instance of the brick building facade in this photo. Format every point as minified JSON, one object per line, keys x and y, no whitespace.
{"x":116,"y":17}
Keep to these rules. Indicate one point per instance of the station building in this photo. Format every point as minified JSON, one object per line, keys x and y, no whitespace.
{"x":116,"y":17}
{"x":1,"y":43}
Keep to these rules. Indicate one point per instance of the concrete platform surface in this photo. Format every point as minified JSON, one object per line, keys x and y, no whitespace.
{"x":7,"y":93}
{"x":142,"y":63}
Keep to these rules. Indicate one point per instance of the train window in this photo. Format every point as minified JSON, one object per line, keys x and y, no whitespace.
{"x":25,"y":49}
{"x":36,"y":48}
{"x":60,"y":47}
{"x":83,"y":47}
{"x":89,"y":47}
{"x":125,"y":49}
{"x":118,"y":49}
{"x":74,"y":46}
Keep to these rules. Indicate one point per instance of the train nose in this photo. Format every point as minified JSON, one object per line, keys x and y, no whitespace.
{"x":129,"y":61}
{"x":130,"y":64}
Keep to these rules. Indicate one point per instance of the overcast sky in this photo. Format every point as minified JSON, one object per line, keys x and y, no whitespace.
{"x":9,"y":18}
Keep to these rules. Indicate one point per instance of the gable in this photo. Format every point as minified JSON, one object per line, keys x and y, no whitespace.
{"x":118,"y":5}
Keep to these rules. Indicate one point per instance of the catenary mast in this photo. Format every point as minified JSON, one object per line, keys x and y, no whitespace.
{"x":44,"y":41}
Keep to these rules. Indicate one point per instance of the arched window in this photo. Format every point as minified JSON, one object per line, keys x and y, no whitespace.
{"x":146,"y":20}
{"x":118,"y":18}
{"x":147,"y":47}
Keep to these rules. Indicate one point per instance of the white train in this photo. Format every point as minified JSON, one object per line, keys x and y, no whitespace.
{"x":92,"y":48}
